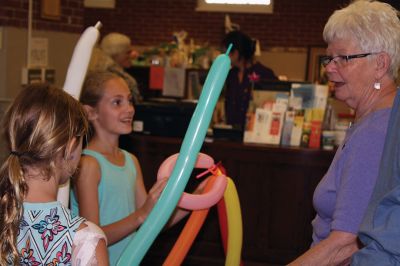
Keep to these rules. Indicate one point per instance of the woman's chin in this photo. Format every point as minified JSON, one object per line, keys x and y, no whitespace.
{"x":340,"y":93}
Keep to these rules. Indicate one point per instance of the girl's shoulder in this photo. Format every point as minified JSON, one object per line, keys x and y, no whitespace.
{"x":92,"y":153}
{"x":89,"y":229}
{"x":92,"y":158}
{"x":131,"y":157}
{"x":89,"y":169}
{"x":90,"y":161}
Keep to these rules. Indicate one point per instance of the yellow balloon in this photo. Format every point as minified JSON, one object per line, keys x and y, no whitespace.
{"x":235,"y":228}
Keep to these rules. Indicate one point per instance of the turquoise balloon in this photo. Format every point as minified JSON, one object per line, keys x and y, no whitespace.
{"x":191,"y":145}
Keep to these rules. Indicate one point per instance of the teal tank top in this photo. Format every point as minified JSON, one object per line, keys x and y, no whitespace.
{"x":116,"y":193}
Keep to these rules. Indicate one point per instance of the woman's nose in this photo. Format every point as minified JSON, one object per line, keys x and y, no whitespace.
{"x":331,"y":67}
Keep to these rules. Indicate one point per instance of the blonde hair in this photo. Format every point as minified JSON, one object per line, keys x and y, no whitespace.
{"x":94,"y":86}
{"x":374,"y":25}
{"x":38,"y":126}
{"x":93,"y":90}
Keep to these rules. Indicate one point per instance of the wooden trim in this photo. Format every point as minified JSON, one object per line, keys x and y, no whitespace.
{"x":314,"y":68}
{"x":50,"y":9}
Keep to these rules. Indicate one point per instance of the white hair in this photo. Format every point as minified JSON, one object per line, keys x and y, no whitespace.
{"x":115,"y":43}
{"x":374,"y":25}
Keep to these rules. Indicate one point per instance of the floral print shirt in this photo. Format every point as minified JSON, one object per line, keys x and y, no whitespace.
{"x":46,"y":234}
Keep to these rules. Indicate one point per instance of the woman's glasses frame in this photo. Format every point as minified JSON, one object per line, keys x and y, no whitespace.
{"x":339,"y":59}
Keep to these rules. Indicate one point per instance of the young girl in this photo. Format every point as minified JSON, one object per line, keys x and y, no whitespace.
{"x":43,"y":129}
{"x":110,"y":189}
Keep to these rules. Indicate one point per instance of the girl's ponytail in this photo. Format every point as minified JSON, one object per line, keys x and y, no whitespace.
{"x":13,"y":189}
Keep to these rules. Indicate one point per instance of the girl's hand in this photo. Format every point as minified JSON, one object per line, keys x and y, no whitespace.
{"x":200,"y":188}
{"x":152,"y":197}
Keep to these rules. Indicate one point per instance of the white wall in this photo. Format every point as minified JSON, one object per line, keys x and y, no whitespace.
{"x":289,"y":62}
{"x":13,"y":58}
{"x":286,"y":62}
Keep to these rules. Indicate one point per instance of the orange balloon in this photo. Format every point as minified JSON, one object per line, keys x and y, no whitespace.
{"x":189,"y":232}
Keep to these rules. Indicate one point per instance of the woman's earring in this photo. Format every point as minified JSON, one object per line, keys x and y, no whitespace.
{"x":377,"y":85}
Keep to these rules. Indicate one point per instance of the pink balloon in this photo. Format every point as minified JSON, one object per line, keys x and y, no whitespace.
{"x":191,"y":201}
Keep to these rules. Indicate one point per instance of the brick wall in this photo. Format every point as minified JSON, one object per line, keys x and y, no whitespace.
{"x":149,"y":22}
{"x":15,"y":13}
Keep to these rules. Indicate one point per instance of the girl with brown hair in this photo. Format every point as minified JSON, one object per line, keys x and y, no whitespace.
{"x":44,"y":127}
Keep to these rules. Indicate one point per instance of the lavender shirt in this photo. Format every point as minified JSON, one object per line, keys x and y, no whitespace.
{"x":342,"y":196}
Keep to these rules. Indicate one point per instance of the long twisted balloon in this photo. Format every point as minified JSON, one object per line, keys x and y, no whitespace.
{"x":190,"y":148}
{"x":80,"y":60}
{"x":75,"y":76}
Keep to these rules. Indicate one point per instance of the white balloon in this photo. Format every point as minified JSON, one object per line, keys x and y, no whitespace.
{"x":80,"y":61}
{"x":73,"y":82}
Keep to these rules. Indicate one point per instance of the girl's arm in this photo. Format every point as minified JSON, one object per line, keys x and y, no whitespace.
{"x":146,"y":201}
{"x":89,"y":246}
{"x":87,"y":195}
{"x":336,"y":249}
{"x":180,"y":213}
{"x":140,"y":190}
{"x":101,"y":253}
{"x":141,"y":196}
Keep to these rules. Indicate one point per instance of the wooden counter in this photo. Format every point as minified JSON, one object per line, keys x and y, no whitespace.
{"x":275,"y":187}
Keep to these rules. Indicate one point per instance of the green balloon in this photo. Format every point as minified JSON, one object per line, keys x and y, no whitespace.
{"x":191,"y":145}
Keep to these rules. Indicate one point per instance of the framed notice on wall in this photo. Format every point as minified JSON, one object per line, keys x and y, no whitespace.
{"x":315,"y":69}
{"x":39,"y":52}
{"x":99,"y":3}
{"x":174,"y":82}
{"x":51,"y":9}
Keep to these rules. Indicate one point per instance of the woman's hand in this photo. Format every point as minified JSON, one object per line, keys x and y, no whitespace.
{"x":336,"y":249}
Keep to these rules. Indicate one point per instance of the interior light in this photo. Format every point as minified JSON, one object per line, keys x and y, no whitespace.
{"x":239,"y":2}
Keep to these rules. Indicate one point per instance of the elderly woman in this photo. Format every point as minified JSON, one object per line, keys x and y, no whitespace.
{"x":115,"y":54}
{"x":362,"y":61}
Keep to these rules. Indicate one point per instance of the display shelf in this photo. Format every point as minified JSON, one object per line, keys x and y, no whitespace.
{"x":275,"y":186}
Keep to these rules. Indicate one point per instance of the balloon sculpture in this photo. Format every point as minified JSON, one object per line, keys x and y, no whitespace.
{"x":196,"y":202}
{"x":191,"y":145}
{"x":218,"y":186}
{"x":75,"y":76}
{"x":190,"y":148}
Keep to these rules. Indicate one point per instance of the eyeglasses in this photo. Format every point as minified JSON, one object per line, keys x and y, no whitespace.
{"x":341,"y":59}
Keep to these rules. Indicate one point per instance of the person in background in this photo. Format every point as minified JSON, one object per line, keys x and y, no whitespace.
{"x":44,"y":128}
{"x":110,"y":190}
{"x":115,"y":54}
{"x":238,"y":83}
{"x":362,"y":63}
